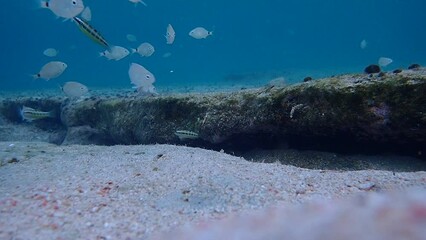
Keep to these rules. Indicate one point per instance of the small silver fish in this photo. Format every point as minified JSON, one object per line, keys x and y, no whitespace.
{"x":145,"y":49}
{"x":131,"y":37}
{"x":50,"y":52}
{"x":64,"y":8}
{"x":200,"y":33}
{"x":170,"y":34}
{"x":363,"y":44}
{"x":384,"y":61}
{"x":115,"y":53}
{"x":142,"y":79}
{"x":51,"y":70}
{"x":186,"y":135}
{"x":30,"y":114}
{"x":74,"y":89}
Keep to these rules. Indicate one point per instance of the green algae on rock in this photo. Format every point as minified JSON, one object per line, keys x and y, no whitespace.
{"x":387,"y":108}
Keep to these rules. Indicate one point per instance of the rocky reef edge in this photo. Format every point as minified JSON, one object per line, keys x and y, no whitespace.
{"x":353,"y":111}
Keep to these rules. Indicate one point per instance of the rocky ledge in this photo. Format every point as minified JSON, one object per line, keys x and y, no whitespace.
{"x":382,"y":109}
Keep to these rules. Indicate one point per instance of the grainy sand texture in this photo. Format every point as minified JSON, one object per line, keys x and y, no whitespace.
{"x":166,"y":191}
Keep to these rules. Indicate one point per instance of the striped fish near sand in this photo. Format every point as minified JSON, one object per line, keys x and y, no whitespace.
{"x":30,"y":114}
{"x":91,"y":32}
{"x":186,"y":135}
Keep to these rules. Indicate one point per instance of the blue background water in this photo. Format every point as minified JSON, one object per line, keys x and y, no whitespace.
{"x":265,"y":39}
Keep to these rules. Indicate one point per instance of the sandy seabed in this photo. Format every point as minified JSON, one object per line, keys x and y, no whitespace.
{"x":176,"y":192}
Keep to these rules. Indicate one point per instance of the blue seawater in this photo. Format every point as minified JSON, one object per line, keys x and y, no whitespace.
{"x":253,"y":41}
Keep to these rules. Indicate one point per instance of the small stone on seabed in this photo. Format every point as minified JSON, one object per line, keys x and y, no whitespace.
{"x":373,"y":68}
{"x":13,"y":160}
{"x":381,"y":74}
{"x":95,"y":209}
{"x":414,"y":66}
{"x":307,"y":79}
{"x":301,"y":190}
{"x":366,"y":186}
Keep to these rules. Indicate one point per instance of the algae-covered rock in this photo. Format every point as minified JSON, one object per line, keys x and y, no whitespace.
{"x":14,"y":128}
{"x":388,"y":108}
{"x":382,"y":108}
{"x":85,"y":135}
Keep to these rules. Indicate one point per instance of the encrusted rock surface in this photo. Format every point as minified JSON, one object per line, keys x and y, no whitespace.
{"x":369,"y":108}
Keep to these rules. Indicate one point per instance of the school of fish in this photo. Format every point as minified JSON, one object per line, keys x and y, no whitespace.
{"x":81,"y":15}
{"x":142,"y":79}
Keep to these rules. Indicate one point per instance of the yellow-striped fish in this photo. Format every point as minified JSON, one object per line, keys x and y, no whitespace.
{"x":30,"y":114}
{"x":91,"y":32}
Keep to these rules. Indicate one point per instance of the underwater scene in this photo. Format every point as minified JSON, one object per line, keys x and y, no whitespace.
{"x":251,"y":43}
{"x":196,"y":119}
{"x":343,"y":77}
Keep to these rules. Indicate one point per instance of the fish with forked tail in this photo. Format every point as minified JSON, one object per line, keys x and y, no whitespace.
{"x":51,"y":70}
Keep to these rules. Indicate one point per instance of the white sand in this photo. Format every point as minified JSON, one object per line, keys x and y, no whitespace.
{"x":133,"y":192}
